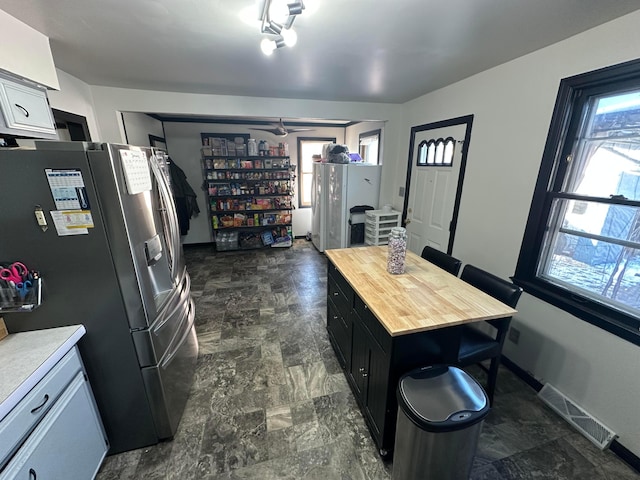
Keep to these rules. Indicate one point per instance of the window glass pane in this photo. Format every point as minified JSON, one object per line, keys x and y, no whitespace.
{"x":308,"y":148}
{"x":602,"y":271}
{"x":616,"y":115}
{"x":422,"y":154}
{"x":431,"y":154}
{"x":369,"y":145}
{"x":439,"y":152}
{"x":606,"y":158}
{"x":306,"y":188}
{"x":448,"y":151}
{"x":595,"y":251}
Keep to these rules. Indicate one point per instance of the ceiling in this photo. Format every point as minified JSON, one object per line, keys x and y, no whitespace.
{"x":348,"y":50}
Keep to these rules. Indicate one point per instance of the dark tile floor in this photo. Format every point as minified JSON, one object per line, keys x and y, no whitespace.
{"x":269,"y":400}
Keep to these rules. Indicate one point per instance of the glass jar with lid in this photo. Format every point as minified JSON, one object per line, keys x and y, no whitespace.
{"x":397,"y":250}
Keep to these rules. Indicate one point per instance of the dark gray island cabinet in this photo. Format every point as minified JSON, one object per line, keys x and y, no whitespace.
{"x":382,"y":325}
{"x":372,"y":359}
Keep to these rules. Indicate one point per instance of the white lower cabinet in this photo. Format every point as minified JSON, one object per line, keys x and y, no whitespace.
{"x":68,"y":442}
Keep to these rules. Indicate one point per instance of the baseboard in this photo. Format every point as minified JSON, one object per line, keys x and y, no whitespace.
{"x":522,"y":374}
{"x":198,"y":245}
{"x":616,"y":447}
{"x":626,"y":455}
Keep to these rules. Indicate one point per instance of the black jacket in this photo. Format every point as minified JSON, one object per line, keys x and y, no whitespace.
{"x":183,"y":196}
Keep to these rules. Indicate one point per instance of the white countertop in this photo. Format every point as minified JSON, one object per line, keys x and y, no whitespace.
{"x":25,"y":358}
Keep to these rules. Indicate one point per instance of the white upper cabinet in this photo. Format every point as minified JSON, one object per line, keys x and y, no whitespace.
{"x":26,"y":53}
{"x":25,"y":110}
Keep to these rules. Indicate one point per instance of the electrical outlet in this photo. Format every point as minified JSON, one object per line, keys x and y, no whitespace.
{"x":514,"y":335}
{"x":401,"y":192}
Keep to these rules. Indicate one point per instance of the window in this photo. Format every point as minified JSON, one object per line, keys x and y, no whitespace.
{"x":307,"y":149}
{"x":436,"y":152}
{"x":581,"y":249}
{"x":370,"y":146}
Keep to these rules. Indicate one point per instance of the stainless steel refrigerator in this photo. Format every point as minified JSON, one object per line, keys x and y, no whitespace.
{"x":98,"y":222}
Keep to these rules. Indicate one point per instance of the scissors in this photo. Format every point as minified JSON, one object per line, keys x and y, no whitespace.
{"x":16,"y":272}
{"x":23,"y":288}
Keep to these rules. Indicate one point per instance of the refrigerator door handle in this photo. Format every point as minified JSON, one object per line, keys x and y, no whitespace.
{"x":175,"y":345}
{"x":170,"y":211}
{"x":179,"y":293}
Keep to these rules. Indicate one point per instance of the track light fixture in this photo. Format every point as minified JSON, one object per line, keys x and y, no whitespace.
{"x":277,"y":17}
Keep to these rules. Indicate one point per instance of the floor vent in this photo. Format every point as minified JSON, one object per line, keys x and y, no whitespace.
{"x":586,"y":424}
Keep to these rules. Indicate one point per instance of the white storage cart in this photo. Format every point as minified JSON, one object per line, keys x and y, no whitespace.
{"x":378,"y":224}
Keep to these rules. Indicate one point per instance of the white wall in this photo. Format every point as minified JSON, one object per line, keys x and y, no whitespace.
{"x":74,"y":96}
{"x":26,"y":52}
{"x":183,"y":143}
{"x":139,"y":126}
{"x":512,"y":105}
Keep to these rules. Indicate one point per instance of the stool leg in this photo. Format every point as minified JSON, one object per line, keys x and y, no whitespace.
{"x":492,"y":378}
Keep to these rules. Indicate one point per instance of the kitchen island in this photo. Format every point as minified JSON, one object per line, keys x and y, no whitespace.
{"x":49,"y":424}
{"x":383,"y":325}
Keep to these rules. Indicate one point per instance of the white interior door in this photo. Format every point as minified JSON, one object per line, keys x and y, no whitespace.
{"x":433,"y":185}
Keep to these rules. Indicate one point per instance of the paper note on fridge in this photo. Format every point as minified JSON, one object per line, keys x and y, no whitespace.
{"x":67,"y":188}
{"x":72,"y":222}
{"x":136,"y":171}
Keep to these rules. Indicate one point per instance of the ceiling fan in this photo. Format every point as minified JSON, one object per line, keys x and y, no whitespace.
{"x":279,"y":130}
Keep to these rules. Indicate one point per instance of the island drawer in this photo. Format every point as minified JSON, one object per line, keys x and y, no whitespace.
{"x":373,"y":325}
{"x":342,"y":283}
{"x":24,"y":418}
{"x":342,"y":303}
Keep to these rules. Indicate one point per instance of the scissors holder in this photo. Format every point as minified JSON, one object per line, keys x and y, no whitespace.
{"x":11,"y":299}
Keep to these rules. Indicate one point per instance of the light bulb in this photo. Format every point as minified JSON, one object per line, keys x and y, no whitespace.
{"x":267,"y":46}
{"x":279,"y":11}
{"x":289,"y":36}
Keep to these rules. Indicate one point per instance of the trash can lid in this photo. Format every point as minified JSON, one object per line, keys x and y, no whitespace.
{"x":442,"y":398}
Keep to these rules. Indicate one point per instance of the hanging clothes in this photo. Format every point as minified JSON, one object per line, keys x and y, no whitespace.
{"x":184,"y":197}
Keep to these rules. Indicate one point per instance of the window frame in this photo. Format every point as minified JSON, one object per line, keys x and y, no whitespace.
{"x":435,"y":143}
{"x":300,"y":173}
{"x":372,"y":133}
{"x":573,"y":94}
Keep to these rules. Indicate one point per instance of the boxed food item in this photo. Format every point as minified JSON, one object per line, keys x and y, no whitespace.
{"x":267,"y":238}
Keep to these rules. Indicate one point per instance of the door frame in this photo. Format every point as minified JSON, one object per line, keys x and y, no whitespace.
{"x":62,"y":118}
{"x":464,"y":120}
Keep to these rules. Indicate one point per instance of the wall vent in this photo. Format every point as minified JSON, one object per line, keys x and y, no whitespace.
{"x":590,"y":427}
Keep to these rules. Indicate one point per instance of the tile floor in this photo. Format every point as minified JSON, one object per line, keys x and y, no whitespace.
{"x":269,"y":400}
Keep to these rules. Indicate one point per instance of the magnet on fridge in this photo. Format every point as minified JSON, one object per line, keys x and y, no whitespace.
{"x":40,"y":218}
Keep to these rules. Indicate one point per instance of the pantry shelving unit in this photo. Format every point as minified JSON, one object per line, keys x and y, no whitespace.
{"x":249,"y":200}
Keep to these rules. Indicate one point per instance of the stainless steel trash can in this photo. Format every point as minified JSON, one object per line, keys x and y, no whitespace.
{"x":440,"y":413}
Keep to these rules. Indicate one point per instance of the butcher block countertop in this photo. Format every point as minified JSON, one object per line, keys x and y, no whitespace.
{"x":25,"y":358}
{"x":425,"y":297}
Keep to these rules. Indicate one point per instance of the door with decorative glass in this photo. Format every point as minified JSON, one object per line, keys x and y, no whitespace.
{"x":437,"y":158}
